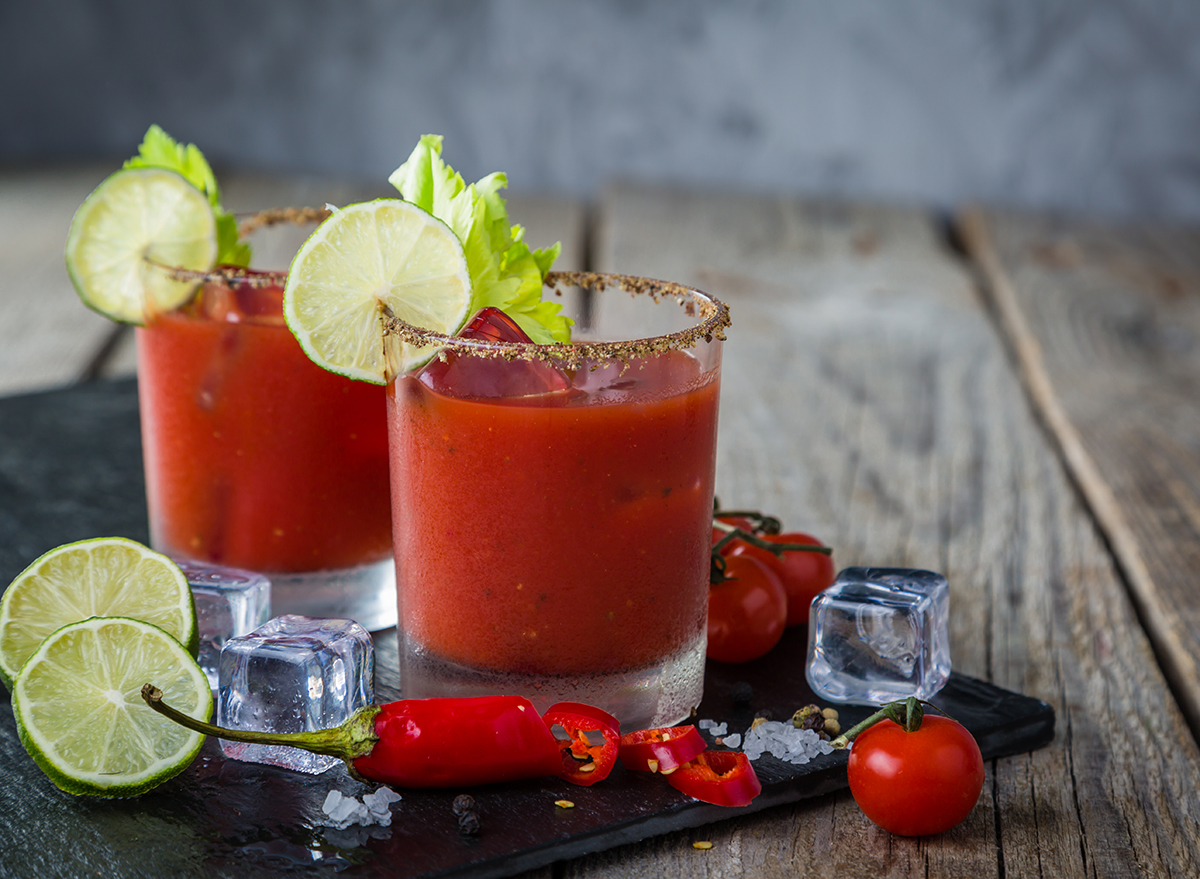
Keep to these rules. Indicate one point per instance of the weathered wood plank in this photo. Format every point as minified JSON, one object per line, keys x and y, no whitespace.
{"x":1105,"y":323}
{"x":47,"y":337}
{"x":867,"y":397}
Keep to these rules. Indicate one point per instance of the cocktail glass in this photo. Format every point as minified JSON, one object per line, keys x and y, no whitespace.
{"x":552,"y":505}
{"x":257,"y":458}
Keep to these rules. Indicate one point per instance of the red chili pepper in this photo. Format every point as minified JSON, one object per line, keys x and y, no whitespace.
{"x":444,"y":742}
{"x":581,"y":761}
{"x":724,"y":778}
{"x":660,"y":750}
{"x":454,"y":742}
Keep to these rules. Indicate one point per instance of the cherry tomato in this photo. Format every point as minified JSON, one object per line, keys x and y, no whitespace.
{"x":724,"y":778}
{"x":916,"y":783}
{"x":803,"y":574}
{"x":736,"y":522}
{"x":660,"y":750}
{"x":746,"y":613}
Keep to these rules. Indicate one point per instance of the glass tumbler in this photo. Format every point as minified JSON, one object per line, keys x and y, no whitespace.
{"x":552,"y":505}
{"x":257,"y":458}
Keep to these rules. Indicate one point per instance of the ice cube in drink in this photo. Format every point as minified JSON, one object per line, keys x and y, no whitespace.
{"x":490,"y":377}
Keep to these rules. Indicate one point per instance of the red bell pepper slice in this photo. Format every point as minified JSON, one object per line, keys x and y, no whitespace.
{"x":724,"y":778}
{"x":660,"y":750}
{"x":583,"y":762}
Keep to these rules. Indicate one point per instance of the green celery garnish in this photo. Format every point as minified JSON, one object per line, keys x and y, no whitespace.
{"x":505,"y":273}
{"x":159,"y":150}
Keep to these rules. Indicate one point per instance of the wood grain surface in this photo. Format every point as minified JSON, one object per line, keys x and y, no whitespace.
{"x":868,"y":397}
{"x":1105,"y":327}
{"x":47,"y":336}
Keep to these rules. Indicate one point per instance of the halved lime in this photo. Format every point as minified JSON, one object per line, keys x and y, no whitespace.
{"x":385,"y":254}
{"x":106,"y":576}
{"x":135,"y":215}
{"x":80,"y":713}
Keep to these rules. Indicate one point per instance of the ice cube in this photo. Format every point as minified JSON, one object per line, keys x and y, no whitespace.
{"x":256,"y":301}
{"x":465,"y":375}
{"x":293,"y":674}
{"x":879,"y":634}
{"x":229,"y":602}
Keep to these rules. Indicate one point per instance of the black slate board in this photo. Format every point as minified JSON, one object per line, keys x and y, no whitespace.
{"x":70,"y":468}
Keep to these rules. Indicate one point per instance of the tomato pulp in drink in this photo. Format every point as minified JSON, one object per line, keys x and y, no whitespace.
{"x":564,"y":532}
{"x":255,"y":456}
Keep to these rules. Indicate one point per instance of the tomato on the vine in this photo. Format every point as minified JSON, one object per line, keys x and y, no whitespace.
{"x":747,"y":613}
{"x":803,"y":574}
{"x":736,"y":522}
{"x":916,"y":783}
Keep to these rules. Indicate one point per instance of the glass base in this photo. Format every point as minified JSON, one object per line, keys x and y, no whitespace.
{"x":365,"y":594}
{"x":663,"y":694}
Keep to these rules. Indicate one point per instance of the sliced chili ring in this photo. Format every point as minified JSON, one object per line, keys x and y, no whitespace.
{"x":583,"y":762}
{"x":723,"y":778}
{"x":660,"y":750}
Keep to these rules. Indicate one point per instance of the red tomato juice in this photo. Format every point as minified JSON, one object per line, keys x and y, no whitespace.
{"x":256,"y":457}
{"x":563,"y":533}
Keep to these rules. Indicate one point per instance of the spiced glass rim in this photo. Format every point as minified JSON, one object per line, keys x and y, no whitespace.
{"x":250,"y":223}
{"x":712,"y":312}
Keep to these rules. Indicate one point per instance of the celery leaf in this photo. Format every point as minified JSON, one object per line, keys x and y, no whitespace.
{"x":505,"y":273}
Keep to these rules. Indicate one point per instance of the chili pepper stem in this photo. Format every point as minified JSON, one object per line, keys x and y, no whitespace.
{"x":354,"y":738}
{"x":907,"y":713}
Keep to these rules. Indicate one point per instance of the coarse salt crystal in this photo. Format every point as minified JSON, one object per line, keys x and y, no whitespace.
{"x":784,"y":741}
{"x":342,"y":811}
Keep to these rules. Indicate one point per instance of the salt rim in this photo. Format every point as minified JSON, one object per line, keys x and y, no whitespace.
{"x":713,"y":313}
{"x":251,"y":277}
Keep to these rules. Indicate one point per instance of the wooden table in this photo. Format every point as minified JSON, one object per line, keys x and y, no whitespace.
{"x":1009,"y":399}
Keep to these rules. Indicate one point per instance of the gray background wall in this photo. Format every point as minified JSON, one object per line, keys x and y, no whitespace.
{"x":1079,"y":106}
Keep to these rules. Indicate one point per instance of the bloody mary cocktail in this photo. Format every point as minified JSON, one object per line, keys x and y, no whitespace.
{"x":257,"y":458}
{"x":552,"y":527}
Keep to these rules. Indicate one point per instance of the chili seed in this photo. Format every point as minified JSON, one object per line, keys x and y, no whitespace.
{"x":703,"y":845}
{"x":564,"y":804}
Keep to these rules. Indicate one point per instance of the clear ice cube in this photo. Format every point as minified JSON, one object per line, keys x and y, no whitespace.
{"x":483,"y":377}
{"x":879,"y":634}
{"x":229,"y":602}
{"x":293,"y":674}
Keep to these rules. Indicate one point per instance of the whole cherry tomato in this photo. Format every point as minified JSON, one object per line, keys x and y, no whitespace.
{"x":747,"y":613}
{"x":803,"y":574}
{"x":916,"y":783}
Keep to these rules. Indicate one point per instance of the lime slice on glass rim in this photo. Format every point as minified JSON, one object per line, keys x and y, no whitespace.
{"x":367,"y":259}
{"x":106,"y":576}
{"x":80,"y":714}
{"x":136,"y":217}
